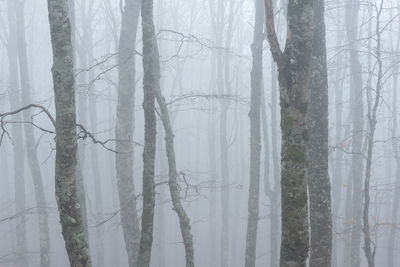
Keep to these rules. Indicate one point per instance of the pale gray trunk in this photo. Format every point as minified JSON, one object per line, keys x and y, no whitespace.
{"x":18,"y":142}
{"x":356,"y":100}
{"x":255,"y":136}
{"x":66,"y":140}
{"x":124,"y":130}
{"x":33,"y":161}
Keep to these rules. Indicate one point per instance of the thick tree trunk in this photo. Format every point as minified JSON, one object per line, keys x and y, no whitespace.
{"x":18,"y":142}
{"x":317,"y":122}
{"x":294,"y":67}
{"x":124,"y":130}
{"x":255,"y":136}
{"x":66,"y":143}
{"x":33,"y":161}
{"x":151,"y":83}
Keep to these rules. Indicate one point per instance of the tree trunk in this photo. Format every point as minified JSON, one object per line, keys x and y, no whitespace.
{"x":33,"y":161}
{"x":255,"y":137}
{"x":66,"y":144}
{"x":294,"y":67}
{"x":124,"y":130}
{"x":18,"y":149}
{"x":317,"y":122}
{"x":184,"y":220}
{"x":151,"y":83}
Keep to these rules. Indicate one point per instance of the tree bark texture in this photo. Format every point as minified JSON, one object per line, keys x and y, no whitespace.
{"x":293,"y":68}
{"x":151,"y":83}
{"x":66,"y":138}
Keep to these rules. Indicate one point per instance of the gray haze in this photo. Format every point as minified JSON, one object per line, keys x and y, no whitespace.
{"x":205,"y":64}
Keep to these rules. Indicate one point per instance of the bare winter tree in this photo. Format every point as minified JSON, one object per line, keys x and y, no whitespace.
{"x":66,"y":144}
{"x":294,"y":68}
{"x":151,"y":83}
{"x":354,"y":204}
{"x":30,"y":141}
{"x":124,"y":129}
{"x":255,"y":135}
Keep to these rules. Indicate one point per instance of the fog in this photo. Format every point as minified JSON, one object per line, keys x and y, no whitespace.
{"x":202,"y":99}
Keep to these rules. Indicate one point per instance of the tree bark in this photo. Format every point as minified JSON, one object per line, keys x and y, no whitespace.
{"x":151,"y":83}
{"x":124,"y":130}
{"x":317,"y":122}
{"x":255,"y":136}
{"x":294,"y":67}
{"x":66,"y":143}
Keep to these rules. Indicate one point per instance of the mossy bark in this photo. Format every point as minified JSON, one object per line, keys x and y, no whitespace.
{"x":66,"y":138}
{"x":318,"y":178}
{"x":294,"y":68}
{"x":151,"y":83}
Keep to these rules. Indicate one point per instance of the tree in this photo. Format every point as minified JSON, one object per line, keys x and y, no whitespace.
{"x":18,"y":149}
{"x":317,"y":123}
{"x":255,"y":136}
{"x":151,"y":83}
{"x":124,"y":129}
{"x":66,"y":144}
{"x":354,"y":211}
{"x":293,"y":67}
{"x":31,"y":150}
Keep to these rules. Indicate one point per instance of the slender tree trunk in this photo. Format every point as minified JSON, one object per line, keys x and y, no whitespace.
{"x":396,"y":197}
{"x":294,"y":68}
{"x":66,"y":144}
{"x":18,"y":149}
{"x":318,"y":177}
{"x":255,"y":136}
{"x":356,"y":95}
{"x":151,"y":83}
{"x":124,"y":130}
{"x":184,"y":220}
{"x":372,"y":121}
{"x":33,"y":161}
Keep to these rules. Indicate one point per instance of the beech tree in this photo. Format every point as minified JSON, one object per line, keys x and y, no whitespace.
{"x":66,"y":140}
{"x":293,"y":68}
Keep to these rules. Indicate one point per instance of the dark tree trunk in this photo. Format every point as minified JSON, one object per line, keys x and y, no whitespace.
{"x":317,"y":121}
{"x":151,"y":83}
{"x":294,"y":67}
{"x":66,"y":143}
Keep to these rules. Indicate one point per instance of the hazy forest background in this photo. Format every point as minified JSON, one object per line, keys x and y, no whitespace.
{"x":199,"y":133}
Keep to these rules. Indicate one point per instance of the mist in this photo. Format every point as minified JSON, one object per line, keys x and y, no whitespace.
{"x":222,"y":133}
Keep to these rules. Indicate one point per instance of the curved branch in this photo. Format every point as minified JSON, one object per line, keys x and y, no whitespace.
{"x":276,"y":51}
